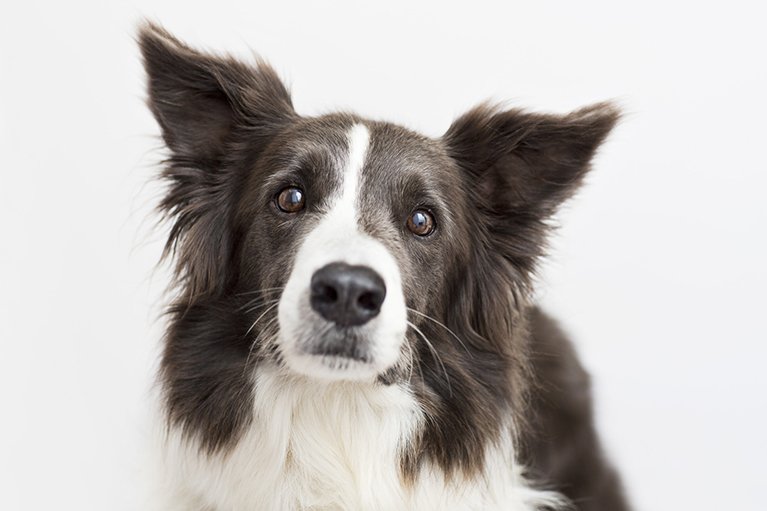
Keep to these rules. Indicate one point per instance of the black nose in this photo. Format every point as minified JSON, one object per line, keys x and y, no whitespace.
{"x":347,"y":295}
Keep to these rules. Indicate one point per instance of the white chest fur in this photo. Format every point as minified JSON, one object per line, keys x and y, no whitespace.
{"x":315,"y":446}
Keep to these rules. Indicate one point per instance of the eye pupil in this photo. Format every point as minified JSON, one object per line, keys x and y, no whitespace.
{"x":291,"y":200}
{"x":421,"y":223}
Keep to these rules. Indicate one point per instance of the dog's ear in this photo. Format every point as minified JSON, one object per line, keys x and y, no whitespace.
{"x":199,"y":99}
{"x":519,"y":167}
{"x":524,"y":163}
{"x":208,"y":107}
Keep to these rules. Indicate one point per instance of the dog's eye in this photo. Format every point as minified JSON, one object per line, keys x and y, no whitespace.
{"x":291,"y":200}
{"x":421,"y":222}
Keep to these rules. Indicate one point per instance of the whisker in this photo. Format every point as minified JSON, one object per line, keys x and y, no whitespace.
{"x":264,"y":290}
{"x":411,"y":361}
{"x":423,"y":379}
{"x":442,"y":325}
{"x":263,"y":294}
{"x":435,"y":354}
{"x":261,"y":316}
{"x":259,"y":305}
{"x":267,"y":325}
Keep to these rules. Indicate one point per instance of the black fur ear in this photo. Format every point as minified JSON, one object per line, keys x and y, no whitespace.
{"x":527,"y":163}
{"x":207,"y":107}
{"x":198,"y":99}
{"x":519,"y":167}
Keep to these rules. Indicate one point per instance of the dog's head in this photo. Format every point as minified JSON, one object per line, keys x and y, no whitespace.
{"x":355,"y":249}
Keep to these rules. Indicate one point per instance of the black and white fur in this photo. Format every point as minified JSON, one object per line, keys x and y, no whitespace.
{"x":457,"y":395}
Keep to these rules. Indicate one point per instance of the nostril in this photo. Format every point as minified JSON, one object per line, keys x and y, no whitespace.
{"x":369,"y":301}
{"x":326,"y":293}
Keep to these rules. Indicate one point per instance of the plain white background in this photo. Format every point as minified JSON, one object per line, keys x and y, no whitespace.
{"x":658,"y":269}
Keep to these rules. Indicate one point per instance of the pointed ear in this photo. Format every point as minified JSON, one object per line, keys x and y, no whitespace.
{"x":199,"y":99}
{"x":208,"y":108}
{"x":524,"y":163}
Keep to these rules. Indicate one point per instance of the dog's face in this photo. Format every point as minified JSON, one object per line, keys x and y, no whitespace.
{"x":346,"y":249}
{"x":349,"y":223}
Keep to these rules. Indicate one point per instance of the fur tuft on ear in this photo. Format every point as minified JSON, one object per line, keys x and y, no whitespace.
{"x":525,"y":162}
{"x":206,"y":105}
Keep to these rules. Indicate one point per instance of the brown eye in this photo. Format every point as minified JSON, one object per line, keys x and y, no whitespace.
{"x":291,"y":200}
{"x":421,"y":222}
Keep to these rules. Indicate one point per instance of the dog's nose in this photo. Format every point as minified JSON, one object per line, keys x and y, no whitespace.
{"x":347,"y":295}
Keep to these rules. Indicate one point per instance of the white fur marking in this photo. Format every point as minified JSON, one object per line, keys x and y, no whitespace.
{"x":337,"y":238}
{"x":359,"y":140}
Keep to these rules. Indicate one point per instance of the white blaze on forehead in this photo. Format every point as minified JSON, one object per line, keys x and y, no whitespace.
{"x":359,"y":139}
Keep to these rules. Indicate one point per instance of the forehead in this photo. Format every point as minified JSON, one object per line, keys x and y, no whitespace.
{"x":392,"y":160}
{"x":404,"y":159}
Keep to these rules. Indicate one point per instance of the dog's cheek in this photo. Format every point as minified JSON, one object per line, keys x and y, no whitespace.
{"x":424,"y":275}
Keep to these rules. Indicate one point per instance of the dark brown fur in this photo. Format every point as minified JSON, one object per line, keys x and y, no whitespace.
{"x":492,"y":181}
{"x":561,"y":443}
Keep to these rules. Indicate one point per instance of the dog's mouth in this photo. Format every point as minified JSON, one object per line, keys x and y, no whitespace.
{"x":337,"y":344}
{"x":328,"y":351}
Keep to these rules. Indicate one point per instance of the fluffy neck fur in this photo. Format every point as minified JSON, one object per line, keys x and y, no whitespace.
{"x":333,"y":446}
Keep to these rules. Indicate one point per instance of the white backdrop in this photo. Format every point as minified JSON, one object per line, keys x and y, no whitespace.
{"x":658,"y":269}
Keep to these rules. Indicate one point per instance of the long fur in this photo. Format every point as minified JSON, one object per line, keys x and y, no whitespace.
{"x":457,"y":419}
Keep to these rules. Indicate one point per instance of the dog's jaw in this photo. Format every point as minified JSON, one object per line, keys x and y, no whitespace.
{"x":338,"y":238}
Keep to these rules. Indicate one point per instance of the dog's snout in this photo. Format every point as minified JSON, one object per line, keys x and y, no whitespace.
{"x":347,"y":295}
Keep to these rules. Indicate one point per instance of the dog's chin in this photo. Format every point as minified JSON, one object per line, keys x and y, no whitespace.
{"x":325,"y":364}
{"x":333,"y":367}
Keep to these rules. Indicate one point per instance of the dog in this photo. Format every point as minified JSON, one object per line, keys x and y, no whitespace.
{"x":353,"y":326}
